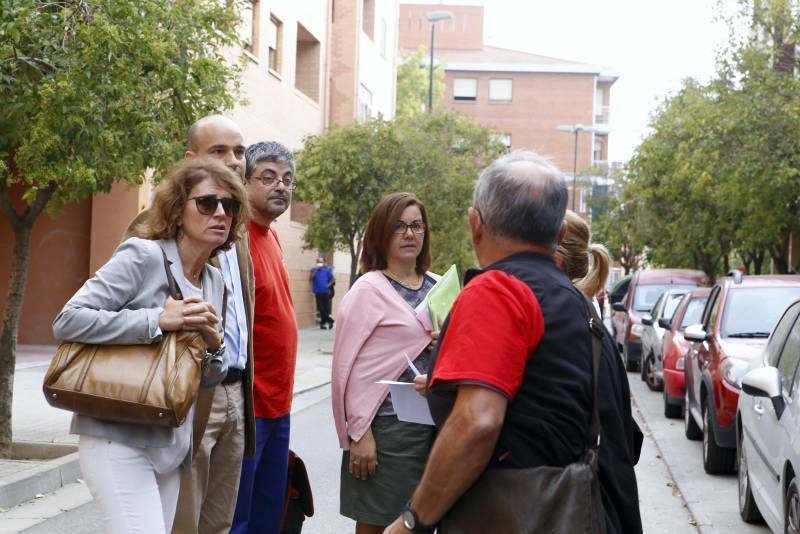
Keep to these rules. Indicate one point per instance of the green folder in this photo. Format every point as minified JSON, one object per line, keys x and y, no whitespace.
{"x":442,"y":295}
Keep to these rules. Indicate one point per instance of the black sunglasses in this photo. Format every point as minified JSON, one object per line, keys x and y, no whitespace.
{"x":207,"y":205}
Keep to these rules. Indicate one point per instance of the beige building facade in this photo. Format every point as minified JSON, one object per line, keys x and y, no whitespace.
{"x":524,"y":97}
{"x":309,"y":65}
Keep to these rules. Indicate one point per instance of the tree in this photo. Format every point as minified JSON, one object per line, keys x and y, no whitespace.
{"x":94,"y":92}
{"x":413,"y":79}
{"x":436,"y":156}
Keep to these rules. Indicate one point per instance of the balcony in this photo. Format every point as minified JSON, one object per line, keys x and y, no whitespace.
{"x":601,"y":117}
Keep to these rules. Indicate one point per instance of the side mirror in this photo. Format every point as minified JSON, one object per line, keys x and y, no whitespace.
{"x":647,"y":319}
{"x":663,"y":322}
{"x":619,"y":306}
{"x":695,"y":333}
{"x":765,"y":382}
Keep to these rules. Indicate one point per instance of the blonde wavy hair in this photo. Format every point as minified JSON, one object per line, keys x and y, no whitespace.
{"x":162,"y":219}
{"x":585,"y":263}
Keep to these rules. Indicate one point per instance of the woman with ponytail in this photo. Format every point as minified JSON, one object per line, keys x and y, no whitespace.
{"x":587,"y":265}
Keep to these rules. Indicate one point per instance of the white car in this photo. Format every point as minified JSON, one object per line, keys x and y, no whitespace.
{"x":768,"y":430}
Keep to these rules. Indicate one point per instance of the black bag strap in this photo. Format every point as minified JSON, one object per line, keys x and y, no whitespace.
{"x":598,"y":332}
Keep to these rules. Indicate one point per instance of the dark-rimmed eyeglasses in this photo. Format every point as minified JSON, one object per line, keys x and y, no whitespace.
{"x":207,"y":205}
{"x":272,"y":181}
{"x":416,"y":227}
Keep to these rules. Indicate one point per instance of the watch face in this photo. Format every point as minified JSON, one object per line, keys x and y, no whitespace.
{"x":408,"y":519}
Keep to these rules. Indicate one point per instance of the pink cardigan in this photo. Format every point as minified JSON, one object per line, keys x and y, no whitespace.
{"x":374,"y":327}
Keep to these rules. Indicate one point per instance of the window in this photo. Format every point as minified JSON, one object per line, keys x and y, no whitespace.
{"x":787,"y":364}
{"x":368,"y":18}
{"x":775,"y":344}
{"x":364,"y":103}
{"x":248,"y":33}
{"x":597,"y":154}
{"x":465,"y":89}
{"x":275,"y":39}
{"x":306,"y":66}
{"x":693,"y":313}
{"x":500,"y":90}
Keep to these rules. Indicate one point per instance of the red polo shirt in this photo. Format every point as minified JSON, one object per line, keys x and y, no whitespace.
{"x":274,"y":326}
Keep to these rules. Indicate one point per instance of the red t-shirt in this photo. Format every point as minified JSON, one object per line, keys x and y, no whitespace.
{"x":495,"y":324}
{"x":274,"y":326}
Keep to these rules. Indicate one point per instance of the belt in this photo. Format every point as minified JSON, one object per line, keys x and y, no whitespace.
{"x":233,"y":376}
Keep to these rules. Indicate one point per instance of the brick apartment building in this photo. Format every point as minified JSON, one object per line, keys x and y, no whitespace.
{"x":310,"y":65}
{"x":524,"y":97}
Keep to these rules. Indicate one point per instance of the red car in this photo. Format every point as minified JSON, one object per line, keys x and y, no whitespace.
{"x":645,"y":288}
{"x":737,"y":320}
{"x":674,"y":348}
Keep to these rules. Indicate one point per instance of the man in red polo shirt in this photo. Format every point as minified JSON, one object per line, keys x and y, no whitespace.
{"x":269,"y":180}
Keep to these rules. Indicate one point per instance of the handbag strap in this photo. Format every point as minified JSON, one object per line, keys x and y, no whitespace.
{"x":598,"y":333}
{"x":175,"y":291}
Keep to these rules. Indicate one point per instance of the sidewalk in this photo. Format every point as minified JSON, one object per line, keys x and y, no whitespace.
{"x":42,"y":431}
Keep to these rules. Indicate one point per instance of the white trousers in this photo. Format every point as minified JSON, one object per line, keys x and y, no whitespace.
{"x":134,"y":499}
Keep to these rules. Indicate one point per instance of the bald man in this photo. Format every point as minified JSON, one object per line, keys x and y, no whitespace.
{"x":224,"y":426}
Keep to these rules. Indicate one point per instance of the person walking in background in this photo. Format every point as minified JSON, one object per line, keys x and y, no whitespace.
{"x":620,"y":436}
{"x":383,"y":457}
{"x":224,"y":429}
{"x":322,"y":280}
{"x":198,"y":211}
{"x":269,"y":181}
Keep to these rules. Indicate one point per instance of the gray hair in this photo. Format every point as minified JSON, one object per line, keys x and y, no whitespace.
{"x":522,"y":196}
{"x":267,"y":151}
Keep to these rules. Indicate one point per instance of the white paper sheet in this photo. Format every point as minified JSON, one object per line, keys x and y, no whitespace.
{"x":409,"y":405}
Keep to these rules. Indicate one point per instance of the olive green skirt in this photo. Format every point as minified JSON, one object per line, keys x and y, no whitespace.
{"x":403,"y":449}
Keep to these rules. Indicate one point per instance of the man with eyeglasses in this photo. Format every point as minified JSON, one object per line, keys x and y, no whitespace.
{"x":224,"y":424}
{"x":269,"y":181}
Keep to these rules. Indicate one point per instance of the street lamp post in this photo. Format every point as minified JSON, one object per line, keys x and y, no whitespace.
{"x":434,"y":17}
{"x":574,"y":129}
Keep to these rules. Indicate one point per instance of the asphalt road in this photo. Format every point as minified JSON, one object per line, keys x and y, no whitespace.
{"x":675,"y":493}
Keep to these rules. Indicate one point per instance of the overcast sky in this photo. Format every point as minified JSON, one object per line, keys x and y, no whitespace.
{"x":651,"y":44}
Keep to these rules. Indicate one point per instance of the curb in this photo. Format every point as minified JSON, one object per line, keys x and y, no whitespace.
{"x":56,"y":471}
{"x":46,"y":477}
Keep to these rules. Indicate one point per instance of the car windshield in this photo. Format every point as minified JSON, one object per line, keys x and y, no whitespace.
{"x":751,"y":312}
{"x":646,"y":295}
{"x":671,"y":305}
{"x":694,"y":311}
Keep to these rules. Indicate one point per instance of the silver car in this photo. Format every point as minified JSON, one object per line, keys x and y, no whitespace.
{"x":654,"y":325}
{"x":768,"y":430}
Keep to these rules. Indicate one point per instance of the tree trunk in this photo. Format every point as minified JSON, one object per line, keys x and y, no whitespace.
{"x":780,"y":254}
{"x":22,"y":225}
{"x":8,"y":332}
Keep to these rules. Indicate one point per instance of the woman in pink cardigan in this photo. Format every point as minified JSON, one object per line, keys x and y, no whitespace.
{"x":383,"y":457}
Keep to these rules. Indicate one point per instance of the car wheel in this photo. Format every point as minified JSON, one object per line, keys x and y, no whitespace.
{"x":748,"y":508}
{"x":791,"y":516}
{"x":671,"y":411}
{"x":650,"y":376}
{"x":716,"y":460}
{"x":690,"y":428}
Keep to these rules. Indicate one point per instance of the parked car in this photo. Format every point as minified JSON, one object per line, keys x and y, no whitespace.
{"x":654,"y":324}
{"x":674,"y":348}
{"x":737,"y":320}
{"x":644,"y":289}
{"x":616,"y":293}
{"x":767,"y":426}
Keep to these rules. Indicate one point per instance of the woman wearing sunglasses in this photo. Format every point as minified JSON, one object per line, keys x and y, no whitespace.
{"x":198,"y":210}
{"x":376,"y":328}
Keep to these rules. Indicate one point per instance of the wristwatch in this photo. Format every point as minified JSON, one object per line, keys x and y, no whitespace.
{"x":412,"y":522}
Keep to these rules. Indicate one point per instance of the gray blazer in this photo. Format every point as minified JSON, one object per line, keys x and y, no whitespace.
{"x":121,"y":305}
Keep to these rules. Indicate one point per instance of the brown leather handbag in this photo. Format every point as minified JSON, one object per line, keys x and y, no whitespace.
{"x":153,"y":384}
{"x":539,"y":500}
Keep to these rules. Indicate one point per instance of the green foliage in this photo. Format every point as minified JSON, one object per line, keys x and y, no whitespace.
{"x":413,"y":80}
{"x":96,"y":91}
{"x":346,"y":172}
{"x":719,"y":176}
